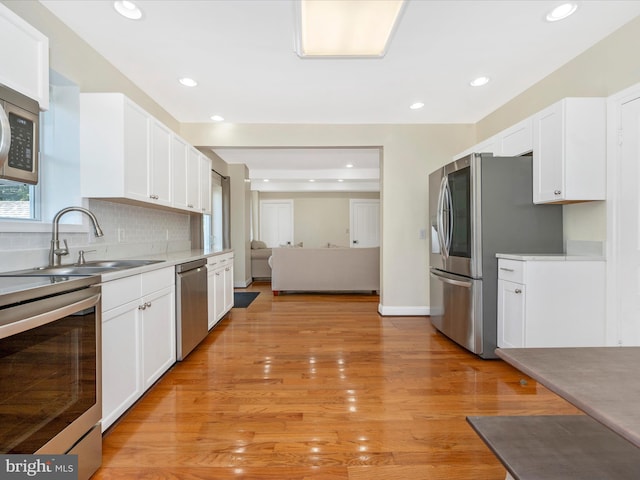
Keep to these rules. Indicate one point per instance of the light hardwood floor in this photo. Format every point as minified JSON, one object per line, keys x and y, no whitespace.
{"x":321,"y":387}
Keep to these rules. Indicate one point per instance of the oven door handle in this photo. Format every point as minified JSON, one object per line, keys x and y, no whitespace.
{"x":32,"y":315}
{"x":5,"y":135}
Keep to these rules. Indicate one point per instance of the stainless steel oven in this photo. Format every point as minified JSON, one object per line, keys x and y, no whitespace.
{"x":50,"y":365}
{"x":19,"y":130}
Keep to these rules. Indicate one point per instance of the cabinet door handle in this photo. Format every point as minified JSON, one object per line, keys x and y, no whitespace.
{"x":147,"y":304}
{"x":142,"y":307}
{"x":557,"y":192}
{"x":517,"y":290}
{"x":507,"y":269}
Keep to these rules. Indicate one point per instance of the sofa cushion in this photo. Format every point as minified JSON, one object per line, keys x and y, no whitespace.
{"x":256,"y":244}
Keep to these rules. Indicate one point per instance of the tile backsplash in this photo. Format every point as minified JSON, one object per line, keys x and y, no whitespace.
{"x":128,"y":231}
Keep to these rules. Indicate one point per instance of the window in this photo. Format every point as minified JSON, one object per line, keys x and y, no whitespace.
{"x":17,"y":200}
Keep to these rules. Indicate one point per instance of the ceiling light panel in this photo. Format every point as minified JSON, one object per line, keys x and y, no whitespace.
{"x":346,"y":28}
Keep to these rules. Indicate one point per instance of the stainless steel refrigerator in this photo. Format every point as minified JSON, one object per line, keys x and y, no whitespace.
{"x":481,"y":205}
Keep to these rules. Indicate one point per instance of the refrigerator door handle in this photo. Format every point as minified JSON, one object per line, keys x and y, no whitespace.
{"x":447,"y":279}
{"x":440,"y":215}
{"x":449,"y":210}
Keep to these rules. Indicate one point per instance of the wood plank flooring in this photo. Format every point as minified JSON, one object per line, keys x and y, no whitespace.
{"x":310,"y":386}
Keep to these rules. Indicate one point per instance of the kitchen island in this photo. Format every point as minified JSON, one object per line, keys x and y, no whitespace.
{"x":604,"y":444}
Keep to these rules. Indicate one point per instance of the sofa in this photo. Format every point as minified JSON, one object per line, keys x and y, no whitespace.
{"x":260,"y":254}
{"x":325,"y":269}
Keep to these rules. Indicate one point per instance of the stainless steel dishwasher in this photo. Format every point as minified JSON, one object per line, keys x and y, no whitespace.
{"x":191,"y":306}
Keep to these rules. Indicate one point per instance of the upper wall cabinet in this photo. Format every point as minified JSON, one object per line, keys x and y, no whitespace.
{"x":569,"y":151}
{"x":129,"y":155}
{"x":205,"y":184}
{"x":514,"y":141}
{"x":24,"y":56}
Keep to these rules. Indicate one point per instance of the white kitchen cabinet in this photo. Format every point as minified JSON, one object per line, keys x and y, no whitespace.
{"x":513,"y":141}
{"x":205,"y":184}
{"x":228,"y":285}
{"x":193,"y":179}
{"x":121,"y":382}
{"x":569,"y":151}
{"x":138,"y":338}
{"x":26,"y":51}
{"x":220,"y":286}
{"x":127,"y":154}
{"x":179,"y":167}
{"x":114,"y":147}
{"x":159,"y":169}
{"x":550,"y":301}
{"x":516,"y":140}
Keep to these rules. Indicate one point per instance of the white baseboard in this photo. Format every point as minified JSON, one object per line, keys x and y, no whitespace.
{"x":403,"y":311}
{"x":243,"y":284}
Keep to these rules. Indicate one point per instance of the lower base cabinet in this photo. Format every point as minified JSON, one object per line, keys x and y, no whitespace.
{"x":220,"y":286}
{"x":138,"y":338}
{"x":551,"y":303}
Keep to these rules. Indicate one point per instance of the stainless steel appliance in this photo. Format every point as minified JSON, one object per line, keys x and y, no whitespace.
{"x":481,"y":205}
{"x":50,"y":368}
{"x":19,"y":144}
{"x":191,"y":306}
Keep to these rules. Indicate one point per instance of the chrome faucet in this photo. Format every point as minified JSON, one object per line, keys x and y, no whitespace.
{"x":56,"y":252}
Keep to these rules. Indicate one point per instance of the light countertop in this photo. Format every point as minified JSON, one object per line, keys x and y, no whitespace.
{"x":548,"y":257}
{"x":170,"y":259}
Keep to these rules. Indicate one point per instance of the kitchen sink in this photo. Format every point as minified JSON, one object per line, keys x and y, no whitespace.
{"x":117,"y":263}
{"x":89,"y":268}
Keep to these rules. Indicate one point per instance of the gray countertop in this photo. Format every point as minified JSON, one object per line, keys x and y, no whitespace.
{"x":601,"y":381}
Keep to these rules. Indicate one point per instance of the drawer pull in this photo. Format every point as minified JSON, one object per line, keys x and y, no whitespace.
{"x":507,"y":269}
{"x":517,"y":290}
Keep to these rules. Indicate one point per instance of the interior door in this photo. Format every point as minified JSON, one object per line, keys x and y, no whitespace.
{"x":276,"y":222}
{"x":364,"y":230}
{"x":628,"y":258}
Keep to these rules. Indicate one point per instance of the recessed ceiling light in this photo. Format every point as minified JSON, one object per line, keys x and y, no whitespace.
{"x":128,"y":9}
{"x":311,"y":180}
{"x":349,"y":165}
{"x":561,"y":12}
{"x":340,"y":180}
{"x":217,"y":118}
{"x":265,"y":180}
{"x":188,"y":82}
{"x":478,"y":82}
{"x":416,"y":106}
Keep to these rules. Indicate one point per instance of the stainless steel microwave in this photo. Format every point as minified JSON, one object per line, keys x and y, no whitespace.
{"x":19,"y":132}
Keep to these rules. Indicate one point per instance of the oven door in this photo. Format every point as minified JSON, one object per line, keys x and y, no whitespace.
{"x":50,"y":372}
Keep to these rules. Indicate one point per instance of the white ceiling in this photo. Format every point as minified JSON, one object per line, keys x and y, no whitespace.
{"x":242,"y":54}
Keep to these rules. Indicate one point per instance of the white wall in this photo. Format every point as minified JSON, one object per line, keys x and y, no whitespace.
{"x":240,"y":224}
{"x":320,"y":218}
